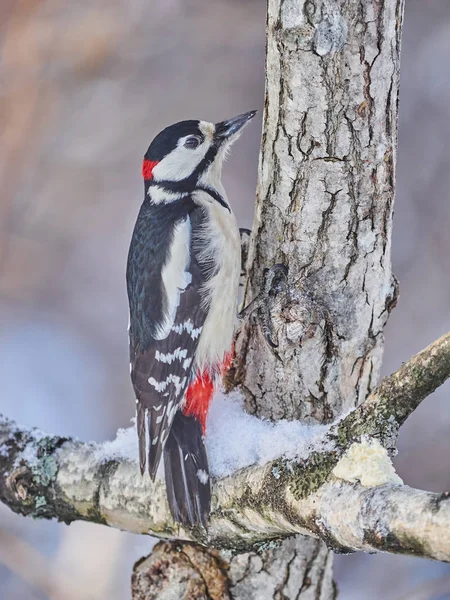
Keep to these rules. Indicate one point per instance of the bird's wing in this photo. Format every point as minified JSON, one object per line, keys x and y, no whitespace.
{"x":161,"y":368}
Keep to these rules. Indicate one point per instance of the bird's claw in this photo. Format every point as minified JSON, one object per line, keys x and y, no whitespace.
{"x":274,"y":283}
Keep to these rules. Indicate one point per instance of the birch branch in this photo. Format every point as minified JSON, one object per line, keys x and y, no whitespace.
{"x":53,"y":477}
{"x":399,"y":394}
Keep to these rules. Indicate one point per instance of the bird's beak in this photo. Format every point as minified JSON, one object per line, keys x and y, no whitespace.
{"x":226,"y":129}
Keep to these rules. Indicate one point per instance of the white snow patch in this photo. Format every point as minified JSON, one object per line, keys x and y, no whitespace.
{"x":123,"y":447}
{"x":29,"y":453}
{"x":235,"y":439}
{"x":367,"y":462}
{"x":4,"y":450}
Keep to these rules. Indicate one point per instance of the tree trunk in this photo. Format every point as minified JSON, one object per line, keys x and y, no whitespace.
{"x":300,"y":567}
{"x":324,"y":209}
{"x":324,"y":204}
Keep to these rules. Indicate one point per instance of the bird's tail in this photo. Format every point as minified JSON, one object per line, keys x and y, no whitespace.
{"x":187,"y":472}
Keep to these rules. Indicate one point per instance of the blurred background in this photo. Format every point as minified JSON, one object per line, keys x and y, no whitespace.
{"x":84,"y":86}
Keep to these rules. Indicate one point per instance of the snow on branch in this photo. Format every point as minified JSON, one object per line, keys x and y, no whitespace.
{"x":335,"y":482}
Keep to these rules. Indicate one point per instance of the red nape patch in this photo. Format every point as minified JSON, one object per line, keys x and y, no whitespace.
{"x":198,"y":398}
{"x":147,"y":169}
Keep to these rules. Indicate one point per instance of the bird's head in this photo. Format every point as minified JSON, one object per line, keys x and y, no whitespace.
{"x":190,"y":152}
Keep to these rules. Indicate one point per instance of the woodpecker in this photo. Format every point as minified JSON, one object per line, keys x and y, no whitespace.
{"x":183,"y":274}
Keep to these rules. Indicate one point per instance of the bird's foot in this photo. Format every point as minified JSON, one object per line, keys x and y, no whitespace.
{"x":274,"y":284}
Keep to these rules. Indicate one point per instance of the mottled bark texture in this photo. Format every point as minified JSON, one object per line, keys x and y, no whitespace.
{"x":324,"y":208}
{"x":177,"y":570}
{"x":324,"y":205}
{"x":284,"y":572}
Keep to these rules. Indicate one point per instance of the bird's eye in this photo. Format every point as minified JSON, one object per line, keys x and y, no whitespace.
{"x":192,"y":142}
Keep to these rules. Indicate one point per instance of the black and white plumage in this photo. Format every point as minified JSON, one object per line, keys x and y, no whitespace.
{"x":182,"y":280}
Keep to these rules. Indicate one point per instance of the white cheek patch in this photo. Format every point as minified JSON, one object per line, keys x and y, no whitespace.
{"x":181,"y":162}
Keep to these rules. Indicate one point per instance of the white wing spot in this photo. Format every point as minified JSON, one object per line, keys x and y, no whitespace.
{"x":160,"y":386}
{"x":196,"y":332}
{"x":154,"y":441}
{"x":187,"y":363}
{"x":202,"y":476}
{"x":170,"y":357}
{"x":188,"y":326}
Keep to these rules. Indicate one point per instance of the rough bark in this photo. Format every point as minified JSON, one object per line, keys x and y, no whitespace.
{"x":324,"y":208}
{"x":177,"y":570}
{"x":284,"y":572}
{"x":182,"y":570}
{"x":324,"y":204}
